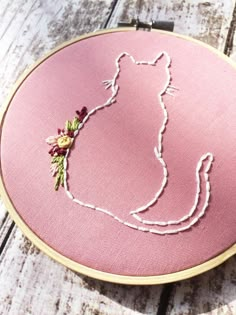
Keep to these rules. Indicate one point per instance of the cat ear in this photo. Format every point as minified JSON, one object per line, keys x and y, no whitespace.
{"x":123,"y":57}
{"x":161,"y":59}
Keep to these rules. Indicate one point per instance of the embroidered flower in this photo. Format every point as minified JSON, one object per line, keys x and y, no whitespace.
{"x":61,"y":143}
{"x":64,"y":142}
{"x":52,"y":139}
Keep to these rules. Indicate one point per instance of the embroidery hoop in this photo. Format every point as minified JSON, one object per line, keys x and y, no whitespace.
{"x":143,"y":280}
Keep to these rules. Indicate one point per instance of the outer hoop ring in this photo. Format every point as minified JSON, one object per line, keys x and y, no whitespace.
{"x":115,"y":278}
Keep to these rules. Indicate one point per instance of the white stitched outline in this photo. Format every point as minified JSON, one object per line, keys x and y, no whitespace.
{"x":168,"y":89}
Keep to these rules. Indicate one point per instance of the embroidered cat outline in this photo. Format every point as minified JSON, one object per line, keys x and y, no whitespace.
{"x":66,"y":140}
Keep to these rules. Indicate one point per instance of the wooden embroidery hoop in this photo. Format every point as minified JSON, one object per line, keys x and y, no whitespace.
{"x":115,"y":278}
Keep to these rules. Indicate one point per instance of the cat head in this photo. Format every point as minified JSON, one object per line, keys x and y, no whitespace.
{"x":152,"y":74}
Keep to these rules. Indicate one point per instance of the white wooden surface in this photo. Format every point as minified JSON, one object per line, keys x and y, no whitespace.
{"x":30,"y":282}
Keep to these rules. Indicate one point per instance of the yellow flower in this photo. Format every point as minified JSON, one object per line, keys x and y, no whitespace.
{"x":64,"y":142}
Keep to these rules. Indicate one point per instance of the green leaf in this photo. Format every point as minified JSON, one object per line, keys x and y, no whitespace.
{"x":68,"y":125}
{"x":55,"y":159}
{"x":60,"y":161}
{"x":57,"y":181}
{"x":75,"y":124}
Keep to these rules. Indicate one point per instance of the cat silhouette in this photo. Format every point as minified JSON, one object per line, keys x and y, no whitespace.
{"x":122,"y":89}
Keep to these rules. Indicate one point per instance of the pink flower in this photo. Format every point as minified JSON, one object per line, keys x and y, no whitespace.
{"x":52,"y":139}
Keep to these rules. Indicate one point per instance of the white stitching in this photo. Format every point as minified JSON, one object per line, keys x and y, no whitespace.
{"x":158,"y":153}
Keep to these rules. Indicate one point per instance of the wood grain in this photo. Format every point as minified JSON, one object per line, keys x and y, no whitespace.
{"x":207,"y":21}
{"x":5,"y":231}
{"x":31,"y":283}
{"x":211,"y":293}
{"x":230,"y":49}
{"x":3,"y":215}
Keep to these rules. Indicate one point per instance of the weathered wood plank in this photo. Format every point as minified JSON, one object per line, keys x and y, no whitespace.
{"x":29,"y":29}
{"x":32,"y":283}
{"x":207,"y":21}
{"x":230,"y":49}
{"x":27,"y":34}
{"x":3,"y":215}
{"x":213,"y":293}
{"x":4,"y":231}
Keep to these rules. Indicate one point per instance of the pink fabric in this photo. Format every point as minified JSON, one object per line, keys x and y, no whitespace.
{"x":112,"y":164}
